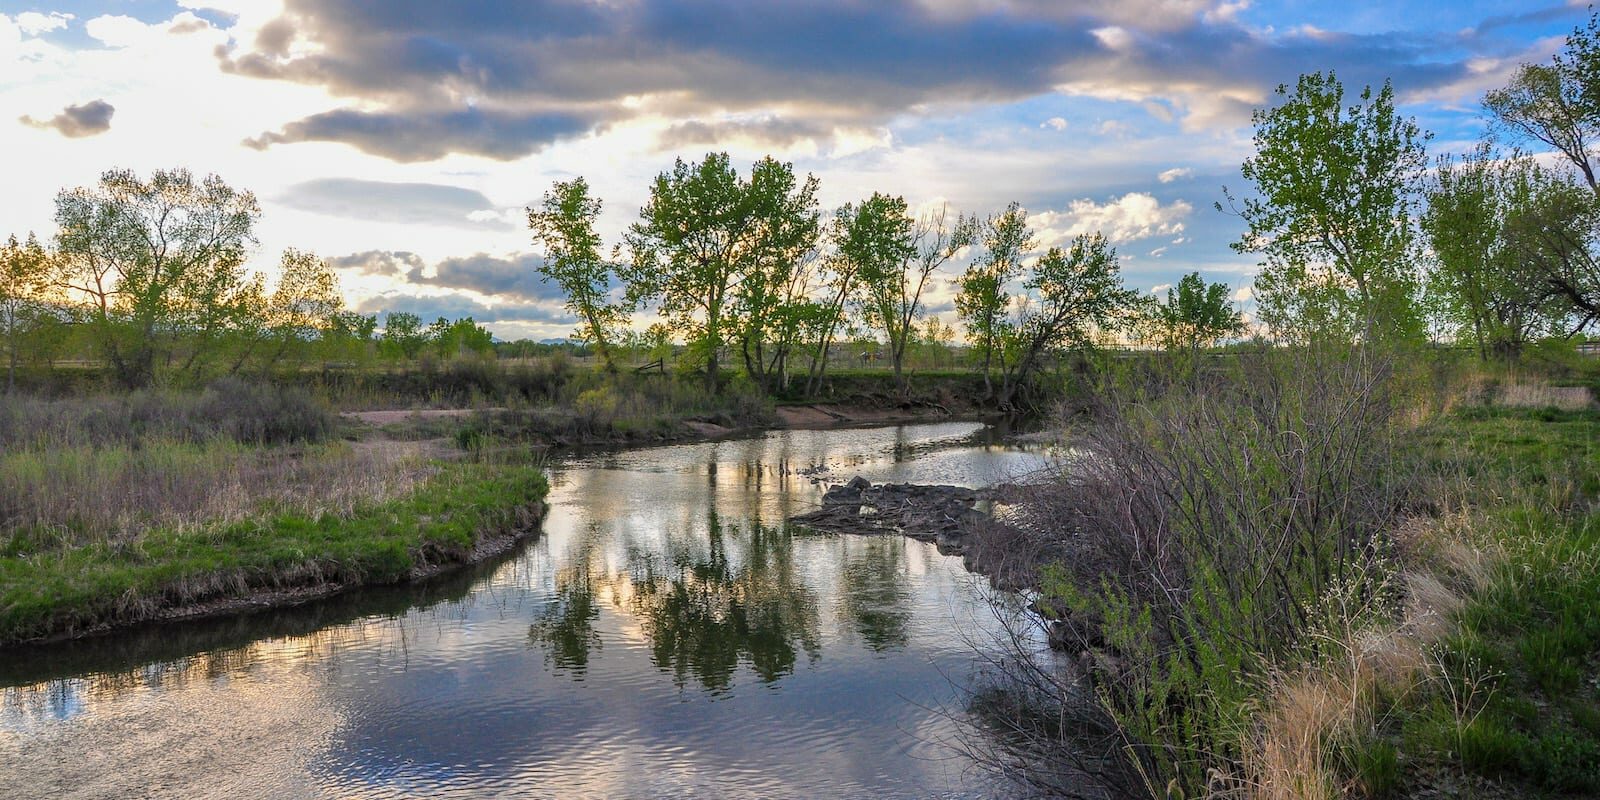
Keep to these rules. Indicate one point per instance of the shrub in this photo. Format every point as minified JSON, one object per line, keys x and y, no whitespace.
{"x":1212,"y":527}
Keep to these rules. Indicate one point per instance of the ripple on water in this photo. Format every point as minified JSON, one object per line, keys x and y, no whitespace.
{"x":664,"y":637}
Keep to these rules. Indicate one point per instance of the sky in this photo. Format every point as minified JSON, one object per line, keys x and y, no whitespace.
{"x":402,"y":139}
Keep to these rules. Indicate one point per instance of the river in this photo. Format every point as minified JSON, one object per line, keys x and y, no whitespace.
{"x":664,"y":636}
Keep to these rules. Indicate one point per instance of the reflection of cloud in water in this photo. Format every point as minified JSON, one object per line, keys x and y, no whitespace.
{"x":657,"y":640}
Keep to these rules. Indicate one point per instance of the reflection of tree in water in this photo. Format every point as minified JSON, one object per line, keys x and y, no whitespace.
{"x":875,"y":594}
{"x":566,"y":625}
{"x":704,"y":611}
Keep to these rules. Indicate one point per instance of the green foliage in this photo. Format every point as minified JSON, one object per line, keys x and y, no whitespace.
{"x":1212,"y":563}
{"x":1195,"y":314}
{"x":1067,"y":298}
{"x":1334,"y":217}
{"x":721,"y":254}
{"x":892,"y":258}
{"x":153,"y":258}
{"x":564,"y":225}
{"x":26,"y":278}
{"x":983,"y":298}
{"x":1483,"y":222}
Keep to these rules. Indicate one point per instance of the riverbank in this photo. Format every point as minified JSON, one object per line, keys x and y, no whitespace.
{"x":118,"y":509}
{"x":1434,"y":637}
{"x":459,"y":513}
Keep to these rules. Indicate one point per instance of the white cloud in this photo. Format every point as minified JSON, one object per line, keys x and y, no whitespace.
{"x":1133,"y":216}
{"x":1242,"y":294}
{"x":1160,"y":287}
{"x":1173,"y":174}
{"x":1114,"y":38}
{"x":1158,"y":252}
{"x":34,"y":23}
{"x":1056,"y":123}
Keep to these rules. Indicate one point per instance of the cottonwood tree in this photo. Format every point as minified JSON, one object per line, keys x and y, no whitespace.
{"x":702,"y":232}
{"x":26,"y":275}
{"x":152,"y":256}
{"x":1556,"y":104}
{"x":564,"y":225}
{"x":772,"y":294}
{"x":894,"y":258}
{"x":1337,"y":188}
{"x":1554,"y":234}
{"x":1067,"y":297}
{"x":1194,"y":314}
{"x":403,"y":336}
{"x":303,"y":308}
{"x":983,"y":298}
{"x":1481,"y":284}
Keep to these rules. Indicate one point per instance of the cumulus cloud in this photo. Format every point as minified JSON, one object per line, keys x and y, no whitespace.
{"x":383,"y":263}
{"x":1133,"y":216}
{"x":77,"y":121}
{"x":1176,"y":173}
{"x":768,"y":132}
{"x":515,"y":276}
{"x":512,"y":277}
{"x":1055,"y":123}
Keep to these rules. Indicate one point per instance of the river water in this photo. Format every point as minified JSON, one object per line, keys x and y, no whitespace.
{"x":664,"y":636}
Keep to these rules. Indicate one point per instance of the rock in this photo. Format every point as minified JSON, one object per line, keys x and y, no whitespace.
{"x":859,"y":484}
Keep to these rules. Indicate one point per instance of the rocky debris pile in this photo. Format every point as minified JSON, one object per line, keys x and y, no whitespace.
{"x":929,"y":513}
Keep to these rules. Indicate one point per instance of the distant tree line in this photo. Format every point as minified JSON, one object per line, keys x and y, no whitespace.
{"x":147,"y":276}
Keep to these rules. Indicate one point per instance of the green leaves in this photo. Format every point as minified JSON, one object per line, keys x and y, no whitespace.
{"x":722,"y":255}
{"x":1195,"y":314}
{"x":564,"y":225}
{"x":1337,"y":186}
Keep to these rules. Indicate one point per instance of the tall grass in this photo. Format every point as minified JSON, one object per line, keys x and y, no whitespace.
{"x":105,"y":469}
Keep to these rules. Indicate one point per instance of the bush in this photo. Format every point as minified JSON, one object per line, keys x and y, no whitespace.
{"x":1211,"y":526}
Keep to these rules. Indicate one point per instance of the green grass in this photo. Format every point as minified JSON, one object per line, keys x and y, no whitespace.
{"x":109,"y":582}
{"x":1517,"y":699}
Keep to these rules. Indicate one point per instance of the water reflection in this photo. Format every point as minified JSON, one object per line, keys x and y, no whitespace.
{"x":662,"y":638}
{"x":875,"y":592}
{"x":705,"y":608}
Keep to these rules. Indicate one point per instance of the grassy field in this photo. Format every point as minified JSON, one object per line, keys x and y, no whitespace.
{"x":1510,"y":704}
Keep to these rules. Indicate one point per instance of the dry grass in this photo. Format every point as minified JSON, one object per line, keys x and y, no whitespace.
{"x":1310,"y":712}
{"x":1539,"y":395}
{"x":106,"y":469}
{"x":76,"y":494}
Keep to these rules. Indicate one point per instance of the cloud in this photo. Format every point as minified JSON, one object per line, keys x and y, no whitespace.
{"x":774,"y":132}
{"x":515,"y":276}
{"x":421,"y":79}
{"x":384,"y":263}
{"x":34,"y":23}
{"x":456,"y":306}
{"x":1133,"y":216}
{"x":402,"y":203}
{"x":77,"y":121}
{"x":1054,"y":123}
{"x":1176,"y":173}
{"x":425,"y":136}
